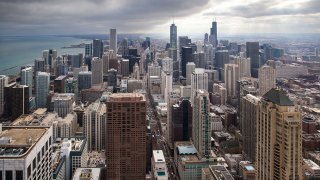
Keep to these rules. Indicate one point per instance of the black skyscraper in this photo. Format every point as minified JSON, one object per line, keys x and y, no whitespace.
{"x":253,"y":54}
{"x":186,"y":56}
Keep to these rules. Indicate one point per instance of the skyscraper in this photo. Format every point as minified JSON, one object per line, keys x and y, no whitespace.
{"x":113,"y":40}
{"x":27,"y":78}
{"x":221,"y":58}
{"x":126,"y":136}
{"x":181,"y":121}
{"x":63,"y":104}
{"x":267,"y":79}
{"x":231,"y":76}
{"x":95,"y":126}
{"x":199,"y":80}
{"x":125,"y":67}
{"x":189,"y":70}
{"x":49,"y":57}
{"x":84,"y":80}
{"x":16,"y":100}
{"x":173,"y":36}
{"x":42,"y":89}
{"x":279,"y":141}
{"x":201,"y":130}
{"x":3,"y":83}
{"x":39,"y":65}
{"x":97,"y":71}
{"x":249,"y":113}
{"x":88,"y":50}
{"x":213,"y":37}
{"x":253,"y":54}
{"x":97,"y":48}
{"x":186,"y":56}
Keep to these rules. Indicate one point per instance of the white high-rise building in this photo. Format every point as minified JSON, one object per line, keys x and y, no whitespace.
{"x":63,"y":103}
{"x":95,"y":125}
{"x":166,"y":86}
{"x":113,"y":40}
{"x":42,"y":89}
{"x":190,"y":68}
{"x":27,"y":78}
{"x":267,"y":79}
{"x":97,"y":71}
{"x":3,"y":83}
{"x":167,"y":65}
{"x":26,"y":152}
{"x":199,"y":80}
{"x":231,"y":76}
{"x":159,"y":167}
{"x":244,"y":66}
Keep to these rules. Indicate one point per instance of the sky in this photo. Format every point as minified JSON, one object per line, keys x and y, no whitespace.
{"x":192,"y":17}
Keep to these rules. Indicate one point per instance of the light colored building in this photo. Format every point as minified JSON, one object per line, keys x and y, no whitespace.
{"x":87,"y":174}
{"x":247,"y":170}
{"x":267,"y":79}
{"x":113,"y":40}
{"x":291,"y":70}
{"x":185,"y":91}
{"x":167,"y":65}
{"x":201,"y":127}
{"x":154,"y":71}
{"x":126,"y":136}
{"x":279,"y":141}
{"x":27,"y":78}
{"x":311,"y":170}
{"x":216,"y":123}
{"x":190,"y":68}
{"x":42,"y":89}
{"x":222,"y":91}
{"x":95,"y":126}
{"x":3,"y":83}
{"x":97,"y":71}
{"x":26,"y":152}
{"x":231,"y":76}
{"x":63,"y":103}
{"x":166,"y":85}
{"x":249,"y":113}
{"x":159,"y":166}
{"x":199,"y":80}
{"x":244,"y":65}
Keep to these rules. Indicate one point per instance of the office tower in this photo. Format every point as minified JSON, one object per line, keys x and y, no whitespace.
{"x":27,"y":154}
{"x":166,"y":86}
{"x":173,"y":54}
{"x":154,"y":70}
{"x":106,"y":58}
{"x":113,"y":40}
{"x":49,"y":57}
{"x":126,"y":136}
{"x":244,"y":65}
{"x":249,"y":113}
{"x":95,"y":126}
{"x":190,"y":68}
{"x":209,"y":54}
{"x":63,"y":103}
{"x":125,"y":67}
{"x":16,"y":99}
{"x":173,"y":36}
{"x":97,"y":71}
{"x":84,"y":80}
{"x":167,"y":65}
{"x":279,"y":141}
{"x":186,"y":56}
{"x":213,"y":38}
{"x":112,"y":77}
{"x":253,"y":54}
{"x":27,"y":78}
{"x":231,"y":76}
{"x":183,"y":41}
{"x":221,"y":58}
{"x":3,"y":83}
{"x":267,"y":79}
{"x":59,"y":84}
{"x":199,"y":59}
{"x":159,"y":166}
{"x":201,"y":131}
{"x":71,"y":86}
{"x":39,"y":65}
{"x":88,"y":50}
{"x":181,"y":120}
{"x":317,"y":52}
{"x":97,"y":48}
{"x":42,"y":89}
{"x":76,"y":60}
{"x":206,"y":39}
{"x":199,"y":80}
{"x":124,"y":48}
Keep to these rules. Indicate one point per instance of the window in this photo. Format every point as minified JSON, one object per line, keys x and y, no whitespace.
{"x":9,"y":175}
{"x":38,"y":157}
{"x":29,"y":171}
{"x":0,"y":175}
{"x":34,"y":164}
{"x":19,"y":175}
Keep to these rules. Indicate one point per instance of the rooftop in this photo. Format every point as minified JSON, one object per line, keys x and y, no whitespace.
{"x":125,"y":97}
{"x":89,"y":173}
{"x":158,"y":156}
{"x":278,"y":97}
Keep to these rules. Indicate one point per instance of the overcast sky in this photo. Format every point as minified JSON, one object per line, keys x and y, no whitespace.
{"x":27,"y":17}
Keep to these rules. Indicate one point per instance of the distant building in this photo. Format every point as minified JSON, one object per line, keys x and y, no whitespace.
{"x":63,"y":103}
{"x":84,"y":80}
{"x":42,"y":89}
{"x":3,"y":83}
{"x":231,"y":76}
{"x":27,"y":78}
{"x":113,"y":40}
{"x":88,"y":50}
{"x":59,"y":84}
{"x":181,"y":121}
{"x":253,"y":54}
{"x":16,"y":100}
{"x":186,"y":56}
{"x":125,"y":67}
{"x":267,"y":79}
{"x":159,"y":166}
{"x":97,"y":71}
{"x":199,"y":80}
{"x":87,"y":174}
{"x":190,"y":67}
{"x":97,"y":48}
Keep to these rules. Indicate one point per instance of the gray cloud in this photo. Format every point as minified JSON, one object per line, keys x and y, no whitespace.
{"x":268,"y":8}
{"x":84,"y":16}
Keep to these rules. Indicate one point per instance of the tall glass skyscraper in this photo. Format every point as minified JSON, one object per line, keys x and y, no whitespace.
{"x":173,"y":36}
{"x":213,"y":38}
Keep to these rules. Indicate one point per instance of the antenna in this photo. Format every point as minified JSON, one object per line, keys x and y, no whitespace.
{"x":172,"y":19}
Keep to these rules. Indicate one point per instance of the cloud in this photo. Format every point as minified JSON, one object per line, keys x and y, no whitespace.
{"x":265,"y":8}
{"x":84,"y":16}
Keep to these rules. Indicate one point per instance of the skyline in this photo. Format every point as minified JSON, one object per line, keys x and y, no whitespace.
{"x":33,"y":17}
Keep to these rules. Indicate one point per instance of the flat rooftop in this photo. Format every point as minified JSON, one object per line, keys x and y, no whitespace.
{"x":89,"y":173}
{"x":126,"y":97}
{"x":158,"y":156}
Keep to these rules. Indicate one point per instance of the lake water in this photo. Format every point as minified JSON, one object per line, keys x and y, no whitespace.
{"x":16,"y":51}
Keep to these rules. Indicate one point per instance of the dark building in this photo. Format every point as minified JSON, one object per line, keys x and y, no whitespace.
{"x":59,"y":84}
{"x":112,"y":77}
{"x":183,"y":41}
{"x":213,"y":38}
{"x":186,"y":56}
{"x":253,"y":54}
{"x":133,"y":58}
{"x":39,"y":65}
{"x":77,"y":60}
{"x":181,"y":121}
{"x":126,"y":136}
{"x":97,"y":48}
{"x":16,"y":99}
{"x":221,"y":58}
